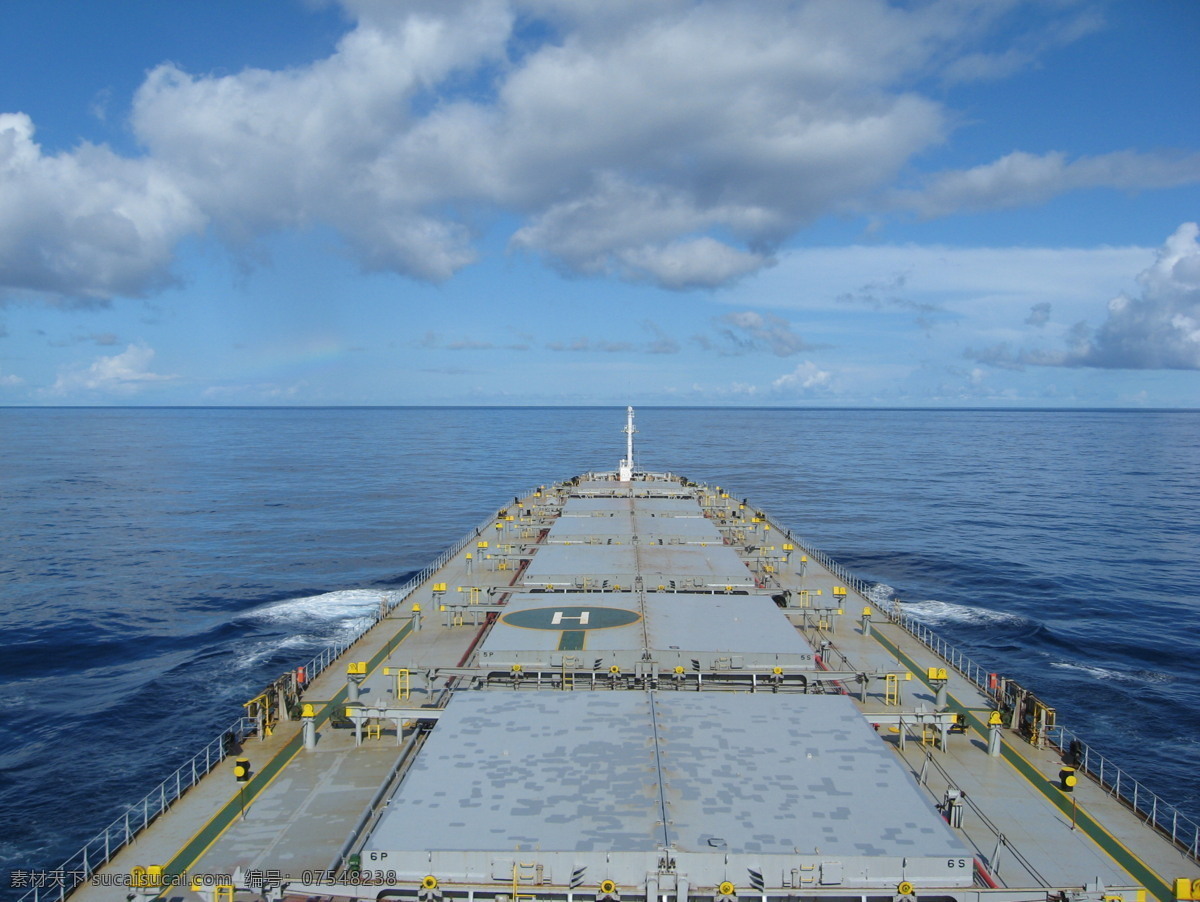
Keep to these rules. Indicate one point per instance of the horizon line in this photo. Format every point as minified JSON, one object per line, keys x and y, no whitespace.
{"x":605,"y":406}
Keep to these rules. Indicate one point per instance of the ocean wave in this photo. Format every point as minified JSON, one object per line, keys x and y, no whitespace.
{"x":1108,"y":673}
{"x":348,"y":606}
{"x":881,"y":595}
{"x":933,"y":612}
{"x":307,"y":622}
{"x":261,"y":651}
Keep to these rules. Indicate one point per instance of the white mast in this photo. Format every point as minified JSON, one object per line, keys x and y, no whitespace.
{"x":626,"y":472}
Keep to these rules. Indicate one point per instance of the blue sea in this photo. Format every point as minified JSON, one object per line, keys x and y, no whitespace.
{"x":159,"y":566}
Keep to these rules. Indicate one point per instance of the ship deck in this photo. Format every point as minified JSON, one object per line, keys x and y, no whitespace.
{"x":652,"y":684}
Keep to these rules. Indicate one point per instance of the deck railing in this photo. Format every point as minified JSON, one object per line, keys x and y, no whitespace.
{"x":396,"y":597}
{"x":943,"y":649}
{"x":1152,"y":810}
{"x":57,"y":883}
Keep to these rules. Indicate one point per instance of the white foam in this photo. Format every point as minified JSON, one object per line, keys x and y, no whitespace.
{"x":314,"y":621}
{"x":881,"y":595}
{"x":264,"y":649}
{"x":1102,"y":673}
{"x":344,"y":604}
{"x":1108,"y":673}
{"x":932,"y":611}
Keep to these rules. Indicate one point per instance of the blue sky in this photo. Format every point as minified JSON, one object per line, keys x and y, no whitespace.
{"x":837,"y":202}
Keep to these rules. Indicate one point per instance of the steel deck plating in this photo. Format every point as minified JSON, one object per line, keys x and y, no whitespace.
{"x":632,"y":688}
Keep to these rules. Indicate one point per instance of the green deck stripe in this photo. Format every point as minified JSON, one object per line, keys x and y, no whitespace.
{"x":1083,"y":821}
{"x":572,"y":640}
{"x":221,"y":821}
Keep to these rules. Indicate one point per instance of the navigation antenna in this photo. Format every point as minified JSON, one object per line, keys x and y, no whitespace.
{"x":626,"y":471}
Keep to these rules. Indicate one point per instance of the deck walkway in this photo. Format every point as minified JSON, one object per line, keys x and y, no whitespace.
{"x":1022,"y":825}
{"x":300,"y":805}
{"x":296,"y":813}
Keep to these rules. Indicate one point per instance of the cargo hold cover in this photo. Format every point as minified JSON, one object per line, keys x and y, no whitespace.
{"x":605,"y":781}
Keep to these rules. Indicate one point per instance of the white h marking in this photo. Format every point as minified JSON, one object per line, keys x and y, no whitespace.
{"x":559,"y":618}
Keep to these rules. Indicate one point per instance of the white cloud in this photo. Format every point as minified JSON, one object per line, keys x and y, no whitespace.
{"x":585,"y":345}
{"x":1021,"y":179}
{"x":986,"y":65}
{"x":748,"y":331}
{"x":661,"y":343}
{"x":669,"y":142}
{"x":678,"y":120}
{"x":627,"y":230}
{"x":261,"y":392}
{"x":124,"y":373}
{"x":266,"y":150}
{"x":694,"y":263}
{"x":1160,"y":329}
{"x":86,"y":224}
{"x":1039,"y":314}
{"x":807,"y":377}
{"x":993,"y":284}
{"x":1157,"y":330}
